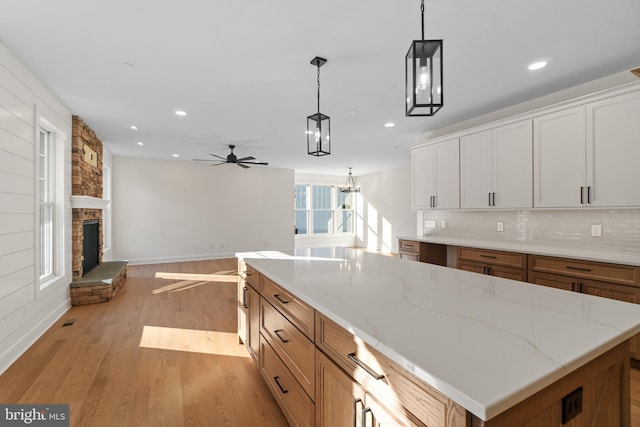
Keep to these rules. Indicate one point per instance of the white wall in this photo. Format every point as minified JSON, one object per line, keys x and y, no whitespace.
{"x":169,"y":210}
{"x":26,"y":312}
{"x":384,"y":209}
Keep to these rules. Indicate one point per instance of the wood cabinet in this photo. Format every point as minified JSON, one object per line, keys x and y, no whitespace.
{"x":619,"y":282}
{"x":431,"y":253}
{"x":496,"y":167}
{"x":435,"y":176}
{"x":404,"y":400}
{"x":249,"y":309}
{"x":508,"y":265}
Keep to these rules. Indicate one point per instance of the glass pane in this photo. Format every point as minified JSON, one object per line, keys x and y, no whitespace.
{"x":302,"y":226}
{"x":301,"y":196}
{"x":322,"y":221}
{"x":344,"y":200}
{"x":345,"y":221}
{"x":322,"y":197}
{"x":46,"y":240}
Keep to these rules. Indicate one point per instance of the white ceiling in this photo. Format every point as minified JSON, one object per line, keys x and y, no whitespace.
{"x":241,"y":71}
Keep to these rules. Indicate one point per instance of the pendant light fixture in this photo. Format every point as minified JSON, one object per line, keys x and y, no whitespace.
{"x":424,"y":91}
{"x":350,"y":186}
{"x":318,"y":125}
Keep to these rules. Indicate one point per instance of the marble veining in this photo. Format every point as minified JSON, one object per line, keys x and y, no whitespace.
{"x":485,"y":342}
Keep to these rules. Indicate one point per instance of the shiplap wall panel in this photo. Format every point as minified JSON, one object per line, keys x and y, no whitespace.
{"x":14,"y":125}
{"x":15,"y":223}
{"x":15,"y":106}
{"x":16,"y":145}
{"x":16,"y":280}
{"x":14,"y":184}
{"x":16,"y":203}
{"x":15,"y":164}
{"x":26,"y":311}
{"x":15,"y":242}
{"x":16,"y":261}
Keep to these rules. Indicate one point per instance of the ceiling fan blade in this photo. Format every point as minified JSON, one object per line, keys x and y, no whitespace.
{"x":242,"y":165}
{"x":257,"y":163}
{"x":205,"y":160}
{"x":218,"y":164}
{"x":221,"y":158}
{"x":246,"y":158}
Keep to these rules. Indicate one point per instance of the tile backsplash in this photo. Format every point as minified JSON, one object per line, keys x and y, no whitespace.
{"x":620,"y":228}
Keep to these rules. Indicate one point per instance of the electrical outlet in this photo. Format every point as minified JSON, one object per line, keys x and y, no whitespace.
{"x":596,"y":230}
{"x":443,"y":224}
{"x":500,"y":226}
{"x":571,"y":405}
{"x":430,"y":223}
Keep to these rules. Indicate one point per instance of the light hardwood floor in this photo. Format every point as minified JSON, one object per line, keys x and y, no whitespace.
{"x":164,"y":352}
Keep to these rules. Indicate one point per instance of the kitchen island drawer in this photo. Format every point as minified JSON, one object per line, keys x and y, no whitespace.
{"x":294,"y":309}
{"x":612,"y":273}
{"x":294,"y":402}
{"x":294,"y":348}
{"x":388,"y":382}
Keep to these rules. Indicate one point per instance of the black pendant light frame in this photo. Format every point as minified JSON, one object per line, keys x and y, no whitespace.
{"x":424,"y":89}
{"x":318,"y":124}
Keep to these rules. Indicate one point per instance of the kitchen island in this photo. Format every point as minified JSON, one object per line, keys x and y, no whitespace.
{"x":500,"y":349}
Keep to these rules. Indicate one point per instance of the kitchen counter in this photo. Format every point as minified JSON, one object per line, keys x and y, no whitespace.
{"x":563,"y":251}
{"x":485,"y":342}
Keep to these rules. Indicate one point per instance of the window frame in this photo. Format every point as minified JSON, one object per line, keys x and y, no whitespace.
{"x":336,"y":211}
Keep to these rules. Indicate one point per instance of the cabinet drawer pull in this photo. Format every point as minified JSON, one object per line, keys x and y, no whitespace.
{"x":246,"y":273}
{"x":568,"y":267}
{"x":282,"y":389}
{"x":244,"y":297}
{"x":277,"y":332}
{"x":364,"y":416}
{"x":355,"y":411}
{"x":488,"y":256}
{"x":360,"y":363}
{"x":277,"y":296}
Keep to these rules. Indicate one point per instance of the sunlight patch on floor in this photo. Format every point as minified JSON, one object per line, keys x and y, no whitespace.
{"x":214,"y":277}
{"x":192,"y":340}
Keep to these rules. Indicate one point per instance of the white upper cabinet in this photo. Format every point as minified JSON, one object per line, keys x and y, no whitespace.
{"x":496,"y":168}
{"x":589,"y":155}
{"x":613,"y":151}
{"x":435,"y":176}
{"x":559,"y":159}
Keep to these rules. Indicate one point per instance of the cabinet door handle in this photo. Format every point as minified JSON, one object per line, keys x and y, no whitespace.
{"x":355,"y":410}
{"x":489,"y":271}
{"x":493,"y":199}
{"x":365,"y":411}
{"x":277,"y":296}
{"x":244,"y":297}
{"x":282,"y":389}
{"x":435,"y":201}
{"x":569,"y":267}
{"x":364,"y":366}
{"x":582,"y":195}
{"x":277,"y":332}
{"x":489,"y":198}
{"x":589,"y":194}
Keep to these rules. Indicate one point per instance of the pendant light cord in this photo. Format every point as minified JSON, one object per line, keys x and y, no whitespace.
{"x":422,"y":13}
{"x":318,"y":90}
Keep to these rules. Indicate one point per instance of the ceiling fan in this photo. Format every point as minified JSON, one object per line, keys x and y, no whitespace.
{"x":232,"y":158}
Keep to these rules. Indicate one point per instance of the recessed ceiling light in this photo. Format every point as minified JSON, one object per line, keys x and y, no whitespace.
{"x":353,"y":112}
{"x":176,"y":155}
{"x":308,"y":132}
{"x":134,"y":127}
{"x":140,"y":143}
{"x":537,"y":65}
{"x":389,"y":124}
{"x":180,"y":113}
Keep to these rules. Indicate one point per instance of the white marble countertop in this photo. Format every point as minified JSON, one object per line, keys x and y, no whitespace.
{"x":627,"y":258}
{"x":485,"y":342}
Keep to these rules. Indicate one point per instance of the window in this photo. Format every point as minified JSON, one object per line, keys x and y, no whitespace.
{"x":46,"y":203}
{"x":322,"y":209}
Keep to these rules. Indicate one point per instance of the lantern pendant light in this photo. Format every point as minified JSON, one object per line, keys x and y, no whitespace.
{"x":424,"y":93}
{"x":318,"y":125}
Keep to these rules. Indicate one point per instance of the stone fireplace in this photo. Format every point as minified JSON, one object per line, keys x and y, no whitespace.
{"x":102,"y":282}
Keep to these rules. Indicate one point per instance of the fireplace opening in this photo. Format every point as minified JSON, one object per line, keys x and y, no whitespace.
{"x":90,"y":245}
